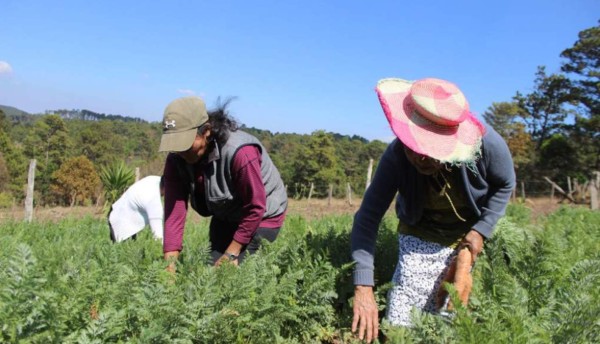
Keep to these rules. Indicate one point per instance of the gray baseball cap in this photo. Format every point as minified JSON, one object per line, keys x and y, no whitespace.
{"x":181,"y":120}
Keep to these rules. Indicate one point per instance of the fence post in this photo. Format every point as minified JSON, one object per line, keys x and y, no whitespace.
{"x":137,"y":174}
{"x":369,"y":173}
{"x":312,"y":187}
{"x":349,"y":193}
{"x":594,"y":185}
{"x":551,"y":193}
{"x":29,"y":196}
{"x":523,"y":190}
{"x":570,"y":188}
{"x":576,"y":190}
{"x":330,"y":194}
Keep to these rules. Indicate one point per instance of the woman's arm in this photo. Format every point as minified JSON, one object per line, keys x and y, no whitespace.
{"x":250,"y":190}
{"x":501,"y":180}
{"x":175,"y":208}
{"x":375,"y":203}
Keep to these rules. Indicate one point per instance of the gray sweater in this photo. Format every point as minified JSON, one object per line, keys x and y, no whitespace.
{"x":488,"y":192}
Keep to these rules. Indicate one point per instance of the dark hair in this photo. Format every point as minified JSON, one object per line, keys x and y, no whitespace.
{"x":220,"y":122}
{"x":162,"y":182}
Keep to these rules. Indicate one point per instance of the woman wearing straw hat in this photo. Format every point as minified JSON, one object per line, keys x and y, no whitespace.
{"x":224,"y":173}
{"x":453,"y":178}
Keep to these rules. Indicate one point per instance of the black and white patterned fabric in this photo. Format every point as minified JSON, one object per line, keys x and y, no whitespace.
{"x":421,"y":268}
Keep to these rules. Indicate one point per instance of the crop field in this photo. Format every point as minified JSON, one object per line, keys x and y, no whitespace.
{"x":65,"y":282}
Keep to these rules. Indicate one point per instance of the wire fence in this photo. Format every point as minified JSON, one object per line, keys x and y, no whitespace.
{"x":571,"y":190}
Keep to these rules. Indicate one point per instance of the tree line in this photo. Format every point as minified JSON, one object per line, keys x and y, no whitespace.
{"x":72,"y":153}
{"x":552,"y":131}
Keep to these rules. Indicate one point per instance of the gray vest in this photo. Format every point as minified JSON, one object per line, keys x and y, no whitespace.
{"x":220,"y":197}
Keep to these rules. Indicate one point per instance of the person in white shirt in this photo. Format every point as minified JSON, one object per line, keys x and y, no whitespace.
{"x":137,"y":208}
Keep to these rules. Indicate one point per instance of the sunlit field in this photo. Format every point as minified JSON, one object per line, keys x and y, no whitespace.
{"x":63,"y":281}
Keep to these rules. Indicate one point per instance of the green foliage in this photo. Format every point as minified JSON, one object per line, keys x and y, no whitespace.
{"x":76,"y":181}
{"x":317,"y":163}
{"x":544,"y":108}
{"x":583,"y":65}
{"x":4,"y":175}
{"x":96,"y":291}
{"x":532,"y":285}
{"x":12,"y":162}
{"x":6,"y":200}
{"x":12,"y":112}
{"x":558,"y":156}
{"x":565,"y":105}
{"x":67,"y":283}
{"x":116,"y":178}
{"x":321,"y":158}
{"x":519,"y":214}
{"x":48,"y":142}
{"x":506,"y":119}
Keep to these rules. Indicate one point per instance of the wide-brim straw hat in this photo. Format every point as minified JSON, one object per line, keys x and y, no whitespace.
{"x":431,"y":117}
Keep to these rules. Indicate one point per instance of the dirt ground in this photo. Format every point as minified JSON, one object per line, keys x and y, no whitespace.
{"x":312,"y":209}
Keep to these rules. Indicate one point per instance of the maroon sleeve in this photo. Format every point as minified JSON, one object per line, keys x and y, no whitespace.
{"x":176,"y":197}
{"x":249,"y":187}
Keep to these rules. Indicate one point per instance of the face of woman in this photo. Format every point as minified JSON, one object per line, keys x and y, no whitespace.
{"x":424,"y":164}
{"x":197,"y":150}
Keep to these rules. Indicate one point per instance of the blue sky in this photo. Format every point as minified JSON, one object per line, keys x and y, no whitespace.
{"x":294,"y":66}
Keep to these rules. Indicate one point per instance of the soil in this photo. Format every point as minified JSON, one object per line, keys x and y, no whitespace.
{"x":312,"y":209}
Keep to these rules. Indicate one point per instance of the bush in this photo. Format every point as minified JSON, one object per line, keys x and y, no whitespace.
{"x":6,"y":200}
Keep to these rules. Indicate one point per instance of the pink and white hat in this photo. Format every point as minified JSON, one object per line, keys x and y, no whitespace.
{"x":431,"y":117}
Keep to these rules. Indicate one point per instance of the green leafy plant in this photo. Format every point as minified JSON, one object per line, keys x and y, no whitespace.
{"x":66,"y":282}
{"x":116,"y":179}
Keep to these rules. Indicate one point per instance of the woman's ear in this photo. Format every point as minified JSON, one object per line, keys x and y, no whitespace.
{"x":207,"y":134}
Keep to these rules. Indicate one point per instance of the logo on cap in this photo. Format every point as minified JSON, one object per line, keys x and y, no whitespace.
{"x":169,"y":124}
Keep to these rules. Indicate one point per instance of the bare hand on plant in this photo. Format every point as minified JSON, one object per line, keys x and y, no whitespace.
{"x":366,"y":314}
{"x":474,"y":241}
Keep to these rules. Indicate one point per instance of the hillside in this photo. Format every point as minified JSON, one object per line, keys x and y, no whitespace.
{"x":12,"y":112}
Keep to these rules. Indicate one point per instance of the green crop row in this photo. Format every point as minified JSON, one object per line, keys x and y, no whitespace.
{"x":67,"y":283}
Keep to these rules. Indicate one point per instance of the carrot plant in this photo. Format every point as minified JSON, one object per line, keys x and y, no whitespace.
{"x":67,"y":283}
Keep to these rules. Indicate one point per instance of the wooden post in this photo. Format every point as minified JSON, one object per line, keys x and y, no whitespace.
{"x":594,"y":186}
{"x":579,"y":191}
{"x":330,"y":194}
{"x":29,"y":196}
{"x":312,"y":187}
{"x":551,"y":193}
{"x":593,"y":196}
{"x":369,"y":173}
{"x":560,"y":190}
{"x":514,"y":194}
{"x":569,"y":187}
{"x":523,"y":190}
{"x":137,"y":174}
{"x":349,"y":193}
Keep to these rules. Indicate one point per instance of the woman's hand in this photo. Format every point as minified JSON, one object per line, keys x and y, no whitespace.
{"x":474,"y":241}
{"x":366,"y":314}
{"x":234,"y":250}
{"x":171,"y":257}
{"x":225,"y":259}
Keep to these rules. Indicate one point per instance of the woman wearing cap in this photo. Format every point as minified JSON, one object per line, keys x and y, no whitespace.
{"x":224,"y":173}
{"x":453,"y":178}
